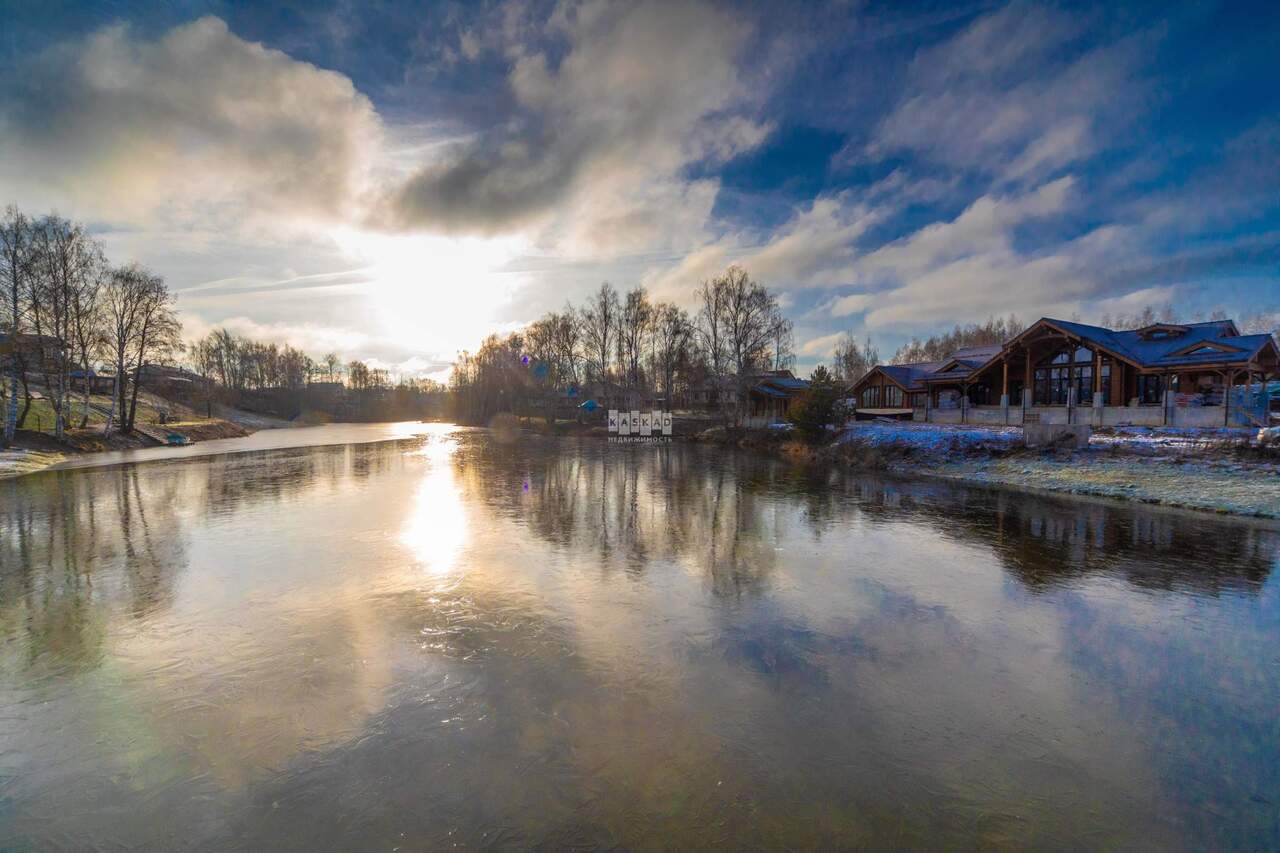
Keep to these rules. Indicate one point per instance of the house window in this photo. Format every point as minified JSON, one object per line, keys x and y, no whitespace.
{"x":1084,"y":385}
{"x":1150,"y":389}
{"x":1051,"y":386}
{"x":893,"y":396}
{"x":1067,"y":369}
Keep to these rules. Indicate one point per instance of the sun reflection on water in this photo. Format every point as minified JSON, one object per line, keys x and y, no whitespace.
{"x":437,"y":528}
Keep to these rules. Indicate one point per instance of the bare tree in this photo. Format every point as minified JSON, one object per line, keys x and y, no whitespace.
{"x":599,"y":319}
{"x":332,"y":364}
{"x":852,"y":361}
{"x":121,"y":304}
{"x":672,"y":339}
{"x":710,"y":326}
{"x":16,"y":258}
{"x":752,"y":321}
{"x":65,"y":264}
{"x":634,"y":321}
{"x":87,"y":324}
{"x":741,"y":328}
{"x":159,"y":334}
{"x":566,"y":343}
{"x":141,"y":326}
{"x":995,"y":331}
{"x":205,"y":361}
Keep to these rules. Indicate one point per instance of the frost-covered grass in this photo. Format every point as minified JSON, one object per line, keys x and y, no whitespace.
{"x":1173,"y":438}
{"x":929,"y":437}
{"x":1217,"y":470}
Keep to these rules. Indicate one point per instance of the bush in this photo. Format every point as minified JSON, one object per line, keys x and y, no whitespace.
{"x":821,"y":408}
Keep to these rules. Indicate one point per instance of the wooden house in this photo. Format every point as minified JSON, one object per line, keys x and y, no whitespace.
{"x":1059,"y":371}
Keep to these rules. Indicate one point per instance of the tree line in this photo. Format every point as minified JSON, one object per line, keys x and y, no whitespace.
{"x":624,"y":349}
{"x":65,"y":308}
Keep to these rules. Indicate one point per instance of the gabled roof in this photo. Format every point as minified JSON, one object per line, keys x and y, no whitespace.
{"x":1175,"y":350}
{"x":909,"y":376}
{"x":787,"y":382}
{"x":780,"y":384}
{"x":979,"y":354}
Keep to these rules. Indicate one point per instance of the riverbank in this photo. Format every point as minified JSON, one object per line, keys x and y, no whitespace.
{"x":1218,"y":471}
{"x":34,"y":451}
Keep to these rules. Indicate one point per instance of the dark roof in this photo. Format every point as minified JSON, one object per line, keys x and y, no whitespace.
{"x":1170,"y":351}
{"x":780,"y":384}
{"x":768,"y":391}
{"x":910,"y":376}
{"x":980,"y":354}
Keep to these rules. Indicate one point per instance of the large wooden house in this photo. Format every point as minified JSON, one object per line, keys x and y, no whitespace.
{"x":1058,"y":371}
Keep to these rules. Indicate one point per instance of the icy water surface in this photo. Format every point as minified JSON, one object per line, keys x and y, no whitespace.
{"x":445,"y":640}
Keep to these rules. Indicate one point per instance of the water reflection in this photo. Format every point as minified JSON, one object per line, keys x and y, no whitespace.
{"x":445,"y":640}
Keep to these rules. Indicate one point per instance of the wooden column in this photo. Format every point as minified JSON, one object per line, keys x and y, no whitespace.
{"x":1027,"y":383}
{"x":1228,"y":380}
{"x":1005,"y":387}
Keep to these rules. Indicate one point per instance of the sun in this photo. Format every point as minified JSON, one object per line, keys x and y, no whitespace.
{"x":435,"y":294}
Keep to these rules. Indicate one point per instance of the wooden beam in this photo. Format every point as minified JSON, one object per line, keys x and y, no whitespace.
{"x":1028,"y":383}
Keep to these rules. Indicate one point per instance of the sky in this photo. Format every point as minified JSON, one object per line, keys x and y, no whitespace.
{"x":396,"y":180}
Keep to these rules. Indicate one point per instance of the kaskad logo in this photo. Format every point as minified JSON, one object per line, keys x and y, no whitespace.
{"x":640,"y":423}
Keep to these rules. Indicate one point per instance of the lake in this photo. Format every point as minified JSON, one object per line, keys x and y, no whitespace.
{"x":439,"y":638}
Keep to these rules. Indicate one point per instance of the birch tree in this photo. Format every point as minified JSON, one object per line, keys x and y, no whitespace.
{"x":15,"y":266}
{"x":157,"y":333}
{"x":65,"y":258}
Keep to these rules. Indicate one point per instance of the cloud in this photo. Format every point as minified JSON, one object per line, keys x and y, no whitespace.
{"x":197,"y":124}
{"x":1012,"y":96}
{"x":598,"y":138}
{"x":821,"y":347}
{"x":854,"y":303}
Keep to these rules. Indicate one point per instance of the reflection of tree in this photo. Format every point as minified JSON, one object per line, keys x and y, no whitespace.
{"x":633,"y":505}
{"x":1044,"y":541}
{"x":715,"y":509}
{"x":77,"y":547}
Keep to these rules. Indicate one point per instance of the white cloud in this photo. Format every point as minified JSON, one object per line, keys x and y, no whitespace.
{"x":1007,"y":97}
{"x":821,"y":347}
{"x":197,"y":126}
{"x":594,"y":154}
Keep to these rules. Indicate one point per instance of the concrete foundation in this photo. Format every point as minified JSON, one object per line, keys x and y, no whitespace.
{"x":1063,"y":435}
{"x":1186,"y":417}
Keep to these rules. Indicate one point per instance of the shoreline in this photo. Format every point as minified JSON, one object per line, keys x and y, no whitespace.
{"x":36,"y":451}
{"x":1195,"y":475}
{"x":1201,"y":476}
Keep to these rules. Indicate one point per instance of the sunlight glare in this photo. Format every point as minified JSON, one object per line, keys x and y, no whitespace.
{"x":431,"y":292}
{"x":437,"y":529}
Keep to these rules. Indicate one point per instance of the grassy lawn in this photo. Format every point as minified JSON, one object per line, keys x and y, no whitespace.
{"x":41,"y":419}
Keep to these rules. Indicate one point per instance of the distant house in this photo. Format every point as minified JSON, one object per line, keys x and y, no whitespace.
{"x":1057,"y":371}
{"x":32,"y":348}
{"x":771,"y":396}
{"x":892,"y":390}
{"x":99,"y":383}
